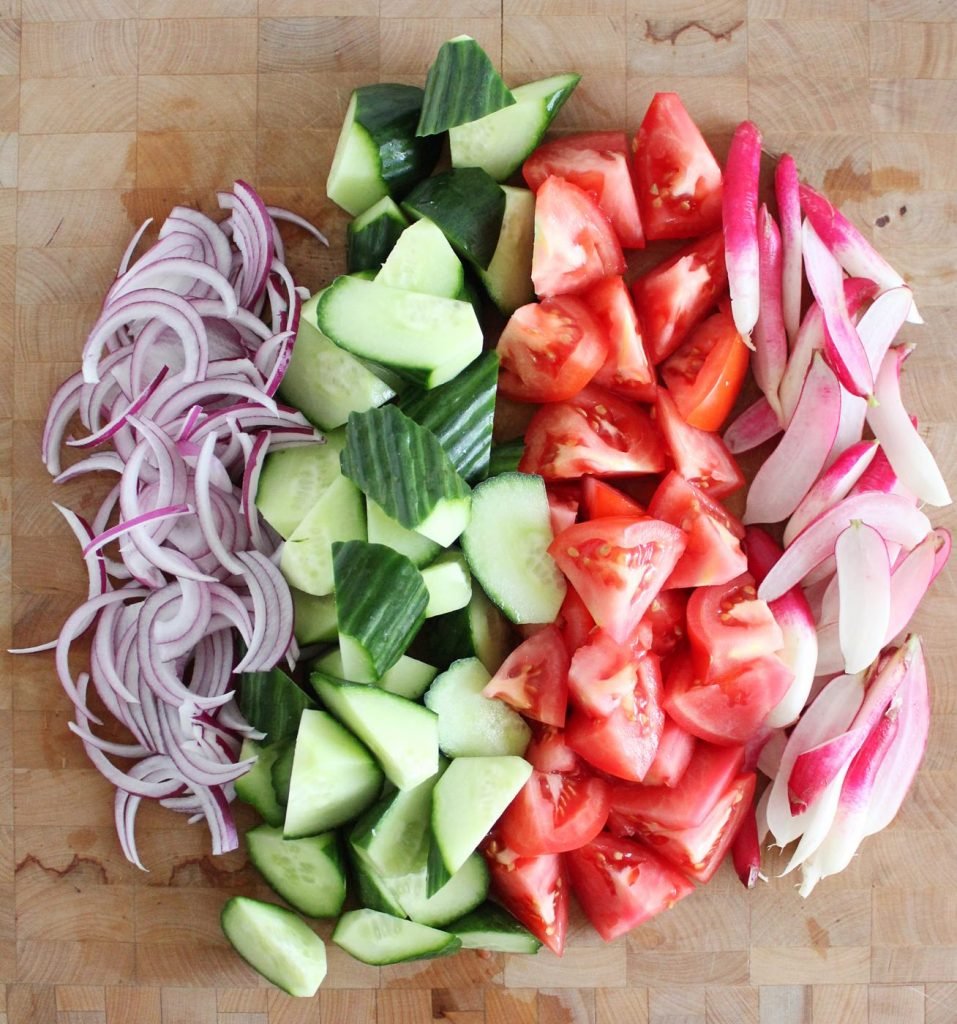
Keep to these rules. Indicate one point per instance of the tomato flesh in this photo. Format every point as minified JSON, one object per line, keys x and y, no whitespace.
{"x":675,"y":751}
{"x":533,"y":679}
{"x":626,"y":369}
{"x":602,"y":501}
{"x":620,"y":884}
{"x":548,"y":751}
{"x":575,"y":621}
{"x":662,"y":627}
{"x":564,"y":500}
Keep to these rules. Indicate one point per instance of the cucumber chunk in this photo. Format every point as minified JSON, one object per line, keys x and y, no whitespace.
{"x":423,"y":261}
{"x":471,"y":725}
{"x":493,"y":928}
{"x":506,"y":544}
{"x":467,"y":801}
{"x":477,"y":631}
{"x":307,"y":873}
{"x":277,"y":944}
{"x":448,"y":582}
{"x":505,"y":457}
{"x":281,"y":773}
{"x":462,"y":85}
{"x":371,"y":236}
{"x":464,"y":891}
{"x":373,"y":890}
{"x":255,"y":787}
{"x":272,"y":702}
{"x":314,"y":618}
{"x":338,"y":515}
{"x":467,"y":205}
{"x":377,"y":938}
{"x":508,"y":279}
{"x":425,"y":338}
{"x":383,"y":529}
{"x":334,"y":777}
{"x":500,"y":142}
{"x":378,"y":153}
{"x":403,"y":468}
{"x":293,"y":479}
{"x":408,"y":677}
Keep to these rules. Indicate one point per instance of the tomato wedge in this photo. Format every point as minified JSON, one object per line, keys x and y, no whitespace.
{"x":602,"y":677}
{"x":594,"y":432}
{"x":533,"y":679}
{"x":601,"y":500}
{"x":618,"y":566}
{"x":598,"y":163}
{"x":563,"y":504}
{"x":662,"y":627}
{"x":574,"y":620}
{"x":674,"y":297}
{"x":700,"y":457}
{"x":626,"y":369}
{"x":620,"y":884}
{"x":550,"y":350}
{"x":706,"y":373}
{"x":675,"y":751}
{"x":574,"y":245}
{"x":555,"y":812}
{"x":548,"y":751}
{"x":534,"y":890}
{"x":678,"y":178}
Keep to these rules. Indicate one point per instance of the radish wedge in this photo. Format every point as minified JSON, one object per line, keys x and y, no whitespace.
{"x":739,"y":208}
{"x":746,"y":850}
{"x":786,"y":189}
{"x":906,"y":451}
{"x":864,"y":587}
{"x":842,"y":344}
{"x":912,"y":576}
{"x":881,"y":322}
{"x":832,"y":487}
{"x":757,"y":424}
{"x":790,"y":470}
{"x":849,"y":247}
{"x":770,"y":336}
{"x":892,"y":515}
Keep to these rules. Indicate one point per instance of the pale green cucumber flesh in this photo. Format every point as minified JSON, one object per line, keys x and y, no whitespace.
{"x":448,"y":582}
{"x":423,"y":261}
{"x":292,"y":481}
{"x":508,"y":279}
{"x":255,"y":787}
{"x":314,"y":618}
{"x":307,"y":873}
{"x":383,"y":529}
{"x":377,"y":938}
{"x":493,"y":928}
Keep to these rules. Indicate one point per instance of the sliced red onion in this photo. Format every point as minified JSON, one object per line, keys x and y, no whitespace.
{"x":216,"y":249}
{"x":281,"y":214}
{"x":739,"y":214}
{"x":757,"y":424}
{"x":131,"y":248}
{"x":770,"y":336}
{"x":789,"y":210}
{"x":63,"y":407}
{"x":168,"y":272}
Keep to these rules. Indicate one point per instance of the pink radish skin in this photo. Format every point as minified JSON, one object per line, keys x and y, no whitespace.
{"x":832,"y":487}
{"x":746,"y":851}
{"x":770,"y":337}
{"x":757,"y":424}
{"x":849,"y":247}
{"x":878,"y":478}
{"x":786,"y":188}
{"x":790,"y":470}
{"x":893,"y":516}
{"x":912,"y":577}
{"x":864,"y":590}
{"x":906,"y":451}
{"x":739,"y":208}
{"x":842,"y":344}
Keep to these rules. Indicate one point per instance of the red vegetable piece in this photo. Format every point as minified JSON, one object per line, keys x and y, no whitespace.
{"x":626,"y":369}
{"x":533,"y":679}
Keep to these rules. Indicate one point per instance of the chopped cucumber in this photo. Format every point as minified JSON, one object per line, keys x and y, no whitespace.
{"x":464,"y":891}
{"x":479,"y":631}
{"x":423,"y":261}
{"x":272,"y":702}
{"x":255,"y":787}
{"x":493,"y":928}
{"x":314,"y":618}
{"x":467,"y":205}
{"x":377,"y":938}
{"x":462,"y":85}
{"x":293,"y":479}
{"x":371,"y":236}
{"x":324,"y":381}
{"x":505,"y":457}
{"x":460,"y":414}
{"x":408,"y":677}
{"x":403,"y":468}
{"x":506,"y":544}
{"x":334,"y":777}
{"x":281,"y":773}
{"x":383,"y":529}
{"x":307,"y":873}
{"x":448,"y":582}
{"x":378,"y":153}
{"x":338,"y":515}
{"x":508,"y":279}
{"x":277,"y":944}
{"x":471,"y":725}
{"x":402,"y":735}
{"x":500,"y":142}
{"x":380,"y":605}
{"x":467,"y":801}
{"x":373,"y":890}
{"x":427,"y":339}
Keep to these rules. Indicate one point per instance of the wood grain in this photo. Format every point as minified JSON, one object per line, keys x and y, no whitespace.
{"x":113,"y":110}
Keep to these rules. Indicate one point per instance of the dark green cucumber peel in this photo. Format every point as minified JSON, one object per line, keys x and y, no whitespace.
{"x":462,"y":85}
{"x":460,"y":414}
{"x":372,"y":235}
{"x":380,"y":600}
{"x":272,"y":702}
{"x":505,"y":457}
{"x":281,"y":772}
{"x":468,"y":205}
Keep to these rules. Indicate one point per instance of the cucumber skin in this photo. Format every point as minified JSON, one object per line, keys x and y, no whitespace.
{"x":505,"y":457}
{"x":368,"y":245}
{"x":273,"y":703}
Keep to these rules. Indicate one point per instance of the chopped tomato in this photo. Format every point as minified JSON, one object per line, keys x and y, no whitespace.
{"x":599,"y":163}
{"x":729,"y":625}
{"x":674,"y":297}
{"x":574,"y":620}
{"x":563,"y":502}
{"x":548,"y":751}
{"x":726,"y":710}
{"x":550,"y":350}
{"x":620,"y":884}
{"x":713,"y":554}
{"x":602,"y":676}
{"x":594,"y":432}
{"x":675,"y":750}
{"x":533,"y":679}
{"x":575,"y":245}
{"x":626,"y":369}
{"x":706,"y":373}
{"x":601,"y":500}
{"x":534,"y":890}
{"x":678,"y":178}
{"x":662,"y":627}
{"x":700,"y":457}
{"x":618,"y":566}
{"x":623,"y":743}
{"x":554,"y":812}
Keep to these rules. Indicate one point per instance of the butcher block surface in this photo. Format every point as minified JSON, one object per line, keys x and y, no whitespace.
{"x":114,"y":110}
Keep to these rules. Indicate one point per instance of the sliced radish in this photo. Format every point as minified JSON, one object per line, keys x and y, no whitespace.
{"x":770,"y":337}
{"x":786,"y":188}
{"x":881,"y":323}
{"x":912,"y":576}
{"x":739,"y":206}
{"x":757,"y":424}
{"x":864,"y":586}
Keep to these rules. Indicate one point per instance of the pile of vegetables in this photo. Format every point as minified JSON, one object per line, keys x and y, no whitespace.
{"x":557,"y":663}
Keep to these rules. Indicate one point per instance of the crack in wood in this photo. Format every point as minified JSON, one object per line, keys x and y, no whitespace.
{"x":717,"y":35}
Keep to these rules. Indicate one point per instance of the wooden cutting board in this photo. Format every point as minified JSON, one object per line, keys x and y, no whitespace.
{"x":113,"y":110}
